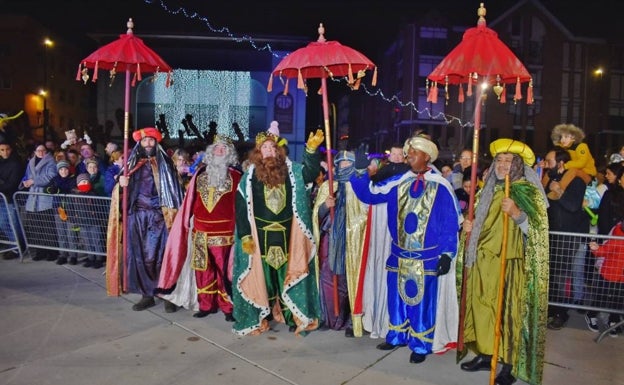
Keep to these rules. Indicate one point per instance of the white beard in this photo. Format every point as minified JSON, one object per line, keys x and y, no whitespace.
{"x":217,"y":171}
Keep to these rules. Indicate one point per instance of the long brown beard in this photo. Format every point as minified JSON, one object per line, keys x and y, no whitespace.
{"x":270,"y":171}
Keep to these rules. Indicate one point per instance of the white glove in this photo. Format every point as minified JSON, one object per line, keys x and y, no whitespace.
{"x":65,"y":144}
{"x":598,"y":263}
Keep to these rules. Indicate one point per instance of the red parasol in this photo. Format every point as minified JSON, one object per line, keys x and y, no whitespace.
{"x":479,"y":58}
{"x":323,"y":59}
{"x":130,"y":55}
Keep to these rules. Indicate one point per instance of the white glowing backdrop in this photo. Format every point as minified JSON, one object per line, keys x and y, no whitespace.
{"x":219,"y":96}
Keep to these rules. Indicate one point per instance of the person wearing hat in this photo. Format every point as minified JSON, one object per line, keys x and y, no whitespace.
{"x":274,"y":274}
{"x":340,"y":251}
{"x":154,"y":193}
{"x":523,"y":322}
{"x":195,"y":272}
{"x":423,"y":223}
{"x":63,"y":183}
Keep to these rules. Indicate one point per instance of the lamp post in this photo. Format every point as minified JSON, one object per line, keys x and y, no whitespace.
{"x":47,"y":43}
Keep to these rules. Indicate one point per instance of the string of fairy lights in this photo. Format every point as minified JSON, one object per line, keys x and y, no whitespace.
{"x":246,"y":39}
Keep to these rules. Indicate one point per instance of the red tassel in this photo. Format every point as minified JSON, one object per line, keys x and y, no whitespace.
{"x":139,"y":78}
{"x":461,"y":98}
{"x":374,"y":82}
{"x":530,"y":92}
{"x":300,"y":84}
{"x":434,"y":92}
{"x":79,"y":74}
{"x":134,"y":79}
{"x":95,"y":71}
{"x":469,"y":90}
{"x":518,"y":94}
{"x":356,"y":84}
{"x":270,"y":85}
{"x":350,"y":75}
{"x":503,"y":97}
{"x":286,"y":87}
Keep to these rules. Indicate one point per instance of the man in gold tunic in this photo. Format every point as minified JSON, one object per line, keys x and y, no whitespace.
{"x":525,"y":301}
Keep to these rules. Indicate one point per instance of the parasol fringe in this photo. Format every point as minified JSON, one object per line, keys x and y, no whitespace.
{"x":461,"y":97}
{"x":79,"y":73}
{"x":503,"y":97}
{"x":286,"y":86}
{"x":350,"y":74}
{"x":374,"y":82}
{"x":469,"y":90}
{"x":518,"y":94}
{"x":300,"y":84}
{"x":95,"y":71}
{"x":270,"y":85}
{"x":530,"y":99}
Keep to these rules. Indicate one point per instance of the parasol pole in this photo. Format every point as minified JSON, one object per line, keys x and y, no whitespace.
{"x":124,"y":206}
{"x":330,"y":173}
{"x":473,"y":186}
{"x":501,"y":289}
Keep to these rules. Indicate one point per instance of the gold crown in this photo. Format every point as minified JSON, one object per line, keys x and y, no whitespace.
{"x":264,"y":136}
{"x":221,"y":138}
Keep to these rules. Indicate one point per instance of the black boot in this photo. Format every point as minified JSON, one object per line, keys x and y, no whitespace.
{"x":144,"y":303}
{"x":170,"y":307}
{"x":229,"y":317}
{"x":202,"y":313}
{"x":417,"y":358}
{"x":505,"y":377}
{"x":480,"y":362}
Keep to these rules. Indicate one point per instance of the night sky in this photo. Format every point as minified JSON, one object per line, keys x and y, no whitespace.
{"x":368,"y":26}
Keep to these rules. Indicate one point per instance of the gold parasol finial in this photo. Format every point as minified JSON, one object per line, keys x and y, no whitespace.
{"x":481,"y":13}
{"x":321,"y":32}
{"x":130,"y":25}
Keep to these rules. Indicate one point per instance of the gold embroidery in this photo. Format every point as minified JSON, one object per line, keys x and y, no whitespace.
{"x":275,"y":198}
{"x":210,"y":195}
{"x":421,"y":207}
{"x":275,"y":257}
{"x":411,"y":270}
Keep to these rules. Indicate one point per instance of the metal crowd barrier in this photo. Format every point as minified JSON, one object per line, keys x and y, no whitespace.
{"x":79,"y":226}
{"x":576,"y":281}
{"x":10,"y":228}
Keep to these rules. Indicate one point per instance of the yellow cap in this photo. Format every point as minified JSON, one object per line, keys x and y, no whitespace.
{"x":514,"y":147}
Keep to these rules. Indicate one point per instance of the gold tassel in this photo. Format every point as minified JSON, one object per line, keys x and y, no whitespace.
{"x":286,"y":86}
{"x":374,"y":82}
{"x":350,"y":75}
{"x":518,"y":94}
{"x":270,"y":85}
{"x":299,"y":79}
{"x":461,"y":98}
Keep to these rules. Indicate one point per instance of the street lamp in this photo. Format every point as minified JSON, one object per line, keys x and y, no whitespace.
{"x":47,"y":43}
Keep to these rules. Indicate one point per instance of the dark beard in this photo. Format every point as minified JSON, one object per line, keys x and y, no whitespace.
{"x":144,"y":153}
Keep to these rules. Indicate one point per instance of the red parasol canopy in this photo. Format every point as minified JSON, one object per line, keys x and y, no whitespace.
{"x":323,"y":59}
{"x":480,"y":57}
{"x":130,"y":55}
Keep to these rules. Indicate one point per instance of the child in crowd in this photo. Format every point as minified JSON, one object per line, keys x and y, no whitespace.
{"x":95,"y":177}
{"x":570,"y":137}
{"x":63,"y":183}
{"x":112,"y":172}
{"x":610,"y":285}
{"x":83,"y":210}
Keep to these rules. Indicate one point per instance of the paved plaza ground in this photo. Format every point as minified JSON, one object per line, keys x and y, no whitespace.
{"x":59,"y":327}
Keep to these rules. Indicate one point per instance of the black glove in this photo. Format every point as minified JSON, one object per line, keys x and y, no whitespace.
{"x":361,"y":159}
{"x":444,"y":264}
